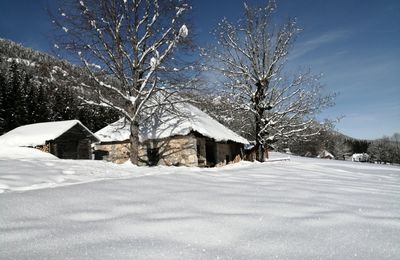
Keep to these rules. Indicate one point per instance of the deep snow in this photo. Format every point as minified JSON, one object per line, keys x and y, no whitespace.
{"x":298,"y":209}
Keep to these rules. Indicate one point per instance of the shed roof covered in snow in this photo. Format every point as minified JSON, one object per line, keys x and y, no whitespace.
{"x":166,"y":122}
{"x":38,"y":134}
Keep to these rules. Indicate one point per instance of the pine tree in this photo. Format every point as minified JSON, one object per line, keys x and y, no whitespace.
{"x":3,"y":91}
{"x":64,"y":106}
{"x":25,"y":106}
{"x":95,"y":117}
{"x":14,"y":98}
{"x":42,"y":106}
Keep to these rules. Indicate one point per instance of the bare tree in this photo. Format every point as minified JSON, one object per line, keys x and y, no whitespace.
{"x":396,"y":143}
{"x":126,"y":48}
{"x":386,"y":149}
{"x":380,"y":150}
{"x":251,"y":55}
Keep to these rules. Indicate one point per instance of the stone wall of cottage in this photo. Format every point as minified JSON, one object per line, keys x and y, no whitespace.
{"x":188,"y":150}
{"x":176,"y":150}
{"x":115,"y":152}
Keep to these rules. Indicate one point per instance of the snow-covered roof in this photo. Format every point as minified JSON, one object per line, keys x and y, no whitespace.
{"x":165,"y":123}
{"x":38,"y":134}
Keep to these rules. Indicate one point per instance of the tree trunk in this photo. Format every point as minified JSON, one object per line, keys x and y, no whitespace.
{"x":258,"y":97}
{"x":134,"y":138}
{"x":259,"y":146}
{"x":260,"y":152}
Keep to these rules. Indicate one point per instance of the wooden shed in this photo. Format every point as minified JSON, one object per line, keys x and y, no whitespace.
{"x":68,"y":139}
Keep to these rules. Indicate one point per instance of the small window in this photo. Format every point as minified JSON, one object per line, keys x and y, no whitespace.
{"x":153,"y":156}
{"x":100,"y":154}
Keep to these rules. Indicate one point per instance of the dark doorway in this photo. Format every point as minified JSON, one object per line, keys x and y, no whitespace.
{"x":84,"y":150}
{"x":60,"y":151}
{"x":67,"y":150}
{"x":211,"y":153}
{"x":153,"y":156}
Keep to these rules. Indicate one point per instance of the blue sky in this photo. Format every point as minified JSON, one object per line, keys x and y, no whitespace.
{"x":354,"y":43}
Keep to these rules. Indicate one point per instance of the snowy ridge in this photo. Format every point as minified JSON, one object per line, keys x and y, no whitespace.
{"x":165,"y":123}
{"x":38,"y":134}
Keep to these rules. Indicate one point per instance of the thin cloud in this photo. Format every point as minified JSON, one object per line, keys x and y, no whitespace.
{"x":307,"y":46}
{"x":362,"y":72}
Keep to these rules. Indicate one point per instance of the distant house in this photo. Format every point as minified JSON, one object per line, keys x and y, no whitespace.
{"x":360,"y":157}
{"x":324,"y":154}
{"x":65,"y":139}
{"x":181,"y":136}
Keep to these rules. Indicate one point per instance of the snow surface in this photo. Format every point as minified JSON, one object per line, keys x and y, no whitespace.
{"x":298,"y":209}
{"x":37,"y":134}
{"x":10,"y":152}
{"x":166,"y":123}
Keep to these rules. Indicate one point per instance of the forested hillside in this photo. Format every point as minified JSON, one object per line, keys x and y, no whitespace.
{"x":36,"y":87}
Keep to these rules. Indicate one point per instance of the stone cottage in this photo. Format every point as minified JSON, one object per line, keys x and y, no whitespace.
{"x":182,"y":135}
{"x":68,"y":139}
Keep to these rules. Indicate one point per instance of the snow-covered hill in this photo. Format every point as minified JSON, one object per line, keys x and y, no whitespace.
{"x":297,"y":209}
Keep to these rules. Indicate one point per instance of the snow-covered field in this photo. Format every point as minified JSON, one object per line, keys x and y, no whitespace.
{"x":297,"y":209}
